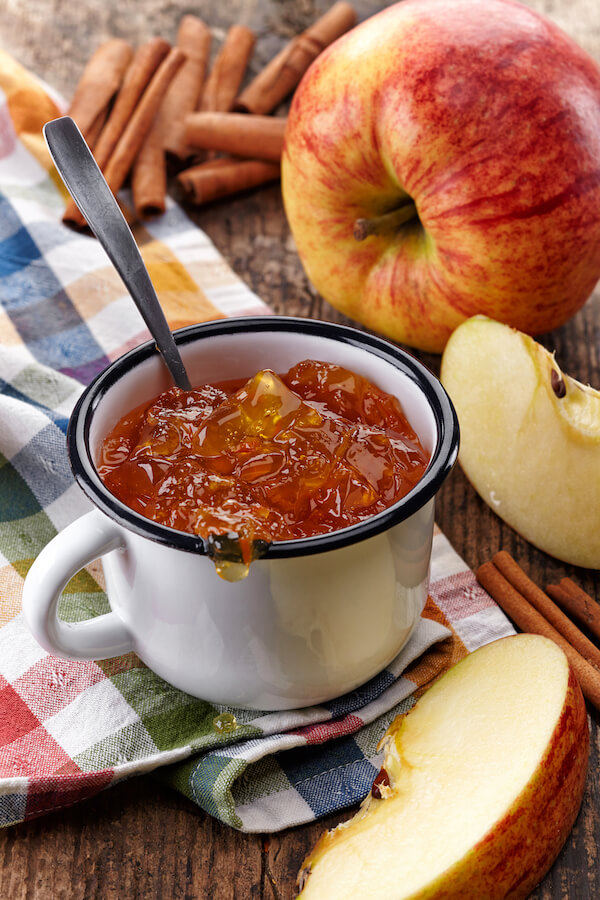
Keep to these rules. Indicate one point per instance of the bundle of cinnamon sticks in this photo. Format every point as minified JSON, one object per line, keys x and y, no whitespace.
{"x":158,"y":109}
{"x":544,"y":612}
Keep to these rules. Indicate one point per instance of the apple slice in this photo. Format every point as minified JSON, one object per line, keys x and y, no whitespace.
{"x":483,"y":781}
{"x":530,"y":437}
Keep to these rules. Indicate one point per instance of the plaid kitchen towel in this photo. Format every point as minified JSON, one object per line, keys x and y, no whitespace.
{"x":69,"y":729}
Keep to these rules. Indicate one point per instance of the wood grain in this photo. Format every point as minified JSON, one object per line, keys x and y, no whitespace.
{"x":140,"y":839}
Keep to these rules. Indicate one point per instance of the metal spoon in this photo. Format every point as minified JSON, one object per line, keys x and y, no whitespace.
{"x":87,"y":185}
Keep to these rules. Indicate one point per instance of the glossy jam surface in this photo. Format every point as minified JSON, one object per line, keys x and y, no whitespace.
{"x":276,"y":458}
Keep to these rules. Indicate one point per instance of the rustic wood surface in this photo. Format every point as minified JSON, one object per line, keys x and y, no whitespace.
{"x":140,"y":839}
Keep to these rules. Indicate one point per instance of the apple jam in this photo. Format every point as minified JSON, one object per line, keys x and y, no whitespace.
{"x":272,"y":459}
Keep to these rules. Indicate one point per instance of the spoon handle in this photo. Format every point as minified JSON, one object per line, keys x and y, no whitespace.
{"x":87,"y":185}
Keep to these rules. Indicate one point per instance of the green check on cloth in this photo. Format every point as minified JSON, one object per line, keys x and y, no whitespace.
{"x":70,"y":729}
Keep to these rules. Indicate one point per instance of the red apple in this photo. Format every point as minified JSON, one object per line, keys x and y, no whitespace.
{"x":443,"y":159}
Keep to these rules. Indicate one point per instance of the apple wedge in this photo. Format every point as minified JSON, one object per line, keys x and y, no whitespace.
{"x":483,"y":781}
{"x":530,"y":437}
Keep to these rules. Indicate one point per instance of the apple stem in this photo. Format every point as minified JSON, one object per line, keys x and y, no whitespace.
{"x":391,"y":221}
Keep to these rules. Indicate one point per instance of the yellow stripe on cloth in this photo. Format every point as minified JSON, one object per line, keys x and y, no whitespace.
{"x":183,"y":301}
{"x":9,"y":336}
{"x":440,"y":657}
{"x":11,"y":589}
{"x":30,"y":107}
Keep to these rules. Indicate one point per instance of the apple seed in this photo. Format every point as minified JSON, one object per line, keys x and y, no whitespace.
{"x":381,"y":779}
{"x":558,"y":384}
{"x":303,"y":877}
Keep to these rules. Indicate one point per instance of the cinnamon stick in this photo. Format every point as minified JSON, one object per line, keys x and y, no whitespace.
{"x":145,"y":63}
{"x":140,"y":123}
{"x":183,"y":95}
{"x":137,"y":78}
{"x":580,"y":605}
{"x":253,"y":137}
{"x":530,"y":620}
{"x":228,"y":70}
{"x":93,"y":132}
{"x":149,"y":176}
{"x":219,"y":178}
{"x":513,"y":572}
{"x":282,"y":74}
{"x":99,"y":82}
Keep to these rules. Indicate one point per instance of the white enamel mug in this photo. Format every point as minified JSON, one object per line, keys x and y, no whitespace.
{"x":315,"y":617}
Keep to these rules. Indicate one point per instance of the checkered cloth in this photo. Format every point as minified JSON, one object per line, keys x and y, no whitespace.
{"x":69,"y":729}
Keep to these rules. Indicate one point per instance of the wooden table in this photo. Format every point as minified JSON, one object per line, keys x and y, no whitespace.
{"x":140,"y":839}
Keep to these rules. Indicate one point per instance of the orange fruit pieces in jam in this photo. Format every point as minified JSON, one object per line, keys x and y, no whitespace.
{"x":277,"y":458}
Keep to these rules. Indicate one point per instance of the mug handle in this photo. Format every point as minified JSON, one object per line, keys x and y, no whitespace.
{"x":72,"y":549}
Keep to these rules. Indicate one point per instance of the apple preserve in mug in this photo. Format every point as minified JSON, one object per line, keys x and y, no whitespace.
{"x":315,"y":616}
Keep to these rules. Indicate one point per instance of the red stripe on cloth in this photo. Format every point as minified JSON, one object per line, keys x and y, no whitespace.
{"x":17,"y":719}
{"x":59,"y":791}
{"x":53,"y":683}
{"x":325,"y":731}
{"x":460,"y":596}
{"x":33,"y":754}
{"x":129,"y":345}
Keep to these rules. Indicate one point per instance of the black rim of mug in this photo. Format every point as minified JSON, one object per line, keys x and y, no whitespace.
{"x":442,"y":459}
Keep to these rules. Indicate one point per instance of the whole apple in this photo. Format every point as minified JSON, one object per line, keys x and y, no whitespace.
{"x":442,"y":160}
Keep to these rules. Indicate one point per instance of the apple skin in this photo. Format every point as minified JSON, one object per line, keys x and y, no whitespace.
{"x":488,"y":116}
{"x":512,"y":857}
